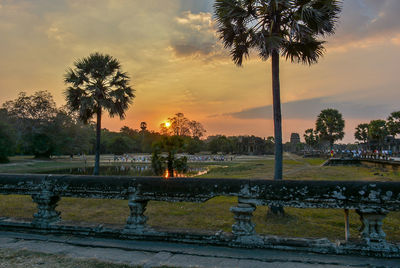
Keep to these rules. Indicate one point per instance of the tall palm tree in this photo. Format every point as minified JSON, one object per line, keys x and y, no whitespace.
{"x":330,"y":125}
{"x":97,"y":83}
{"x":274,"y":28}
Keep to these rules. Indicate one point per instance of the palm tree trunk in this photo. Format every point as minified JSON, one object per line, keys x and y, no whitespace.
{"x":276,"y":92}
{"x":98,"y":134}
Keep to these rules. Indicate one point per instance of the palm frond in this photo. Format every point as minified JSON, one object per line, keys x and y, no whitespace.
{"x":305,"y":51}
{"x":289,"y":26}
{"x":98,"y":82}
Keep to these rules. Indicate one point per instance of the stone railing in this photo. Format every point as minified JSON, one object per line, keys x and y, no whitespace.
{"x":371,"y":200}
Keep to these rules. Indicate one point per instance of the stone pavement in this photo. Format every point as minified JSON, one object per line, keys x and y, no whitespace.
{"x":153,"y":254}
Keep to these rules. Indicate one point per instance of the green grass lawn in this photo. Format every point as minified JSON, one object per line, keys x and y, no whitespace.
{"x":214,"y":214}
{"x":20,"y":164}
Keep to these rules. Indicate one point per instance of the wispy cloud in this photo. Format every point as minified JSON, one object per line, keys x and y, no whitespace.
{"x":349,"y":105}
{"x":366,"y":22}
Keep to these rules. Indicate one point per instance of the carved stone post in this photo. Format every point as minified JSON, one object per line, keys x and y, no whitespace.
{"x":46,"y":201}
{"x":243,"y":225}
{"x":243,"y":213}
{"x":137,"y":220}
{"x":371,"y":229}
{"x":243,"y":228}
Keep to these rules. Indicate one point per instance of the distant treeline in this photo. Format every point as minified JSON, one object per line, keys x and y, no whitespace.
{"x":33,"y":125}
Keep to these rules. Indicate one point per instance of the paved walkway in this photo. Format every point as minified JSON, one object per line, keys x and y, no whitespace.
{"x":151,"y":254}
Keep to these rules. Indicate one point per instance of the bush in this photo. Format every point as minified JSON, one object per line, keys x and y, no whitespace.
{"x":180,"y":165}
{"x":7,"y":142}
{"x":157,"y":163}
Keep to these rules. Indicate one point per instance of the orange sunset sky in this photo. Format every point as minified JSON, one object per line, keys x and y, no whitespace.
{"x":176,"y":63}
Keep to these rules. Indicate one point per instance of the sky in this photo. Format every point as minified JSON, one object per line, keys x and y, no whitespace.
{"x":176,"y":63}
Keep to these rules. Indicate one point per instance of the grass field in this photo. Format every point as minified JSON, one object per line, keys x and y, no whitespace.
{"x":214,"y":214}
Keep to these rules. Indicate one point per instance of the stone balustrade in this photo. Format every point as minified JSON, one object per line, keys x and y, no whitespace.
{"x":371,"y":200}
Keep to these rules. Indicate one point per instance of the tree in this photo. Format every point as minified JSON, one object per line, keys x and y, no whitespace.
{"x":220,"y":144}
{"x":330,"y":126}
{"x":311,"y":137}
{"x":270,"y":145}
{"x":194,"y":145}
{"x":68,"y":135}
{"x":7,"y":141}
{"x":176,"y":126}
{"x":120,"y":145}
{"x":171,"y":145}
{"x":129,"y":131}
{"x":42,"y":145}
{"x":39,"y":107}
{"x":42,"y":129}
{"x":157,"y":161}
{"x":33,"y":118}
{"x":393,"y":123}
{"x":179,"y":125}
{"x":98,"y":83}
{"x":273,"y":28}
{"x":361,"y":133}
{"x":377,"y":131}
{"x":196,"y":129}
{"x":143,"y":126}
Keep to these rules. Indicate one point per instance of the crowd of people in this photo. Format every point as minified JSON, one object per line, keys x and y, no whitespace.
{"x":365,"y":154}
{"x":190,"y":158}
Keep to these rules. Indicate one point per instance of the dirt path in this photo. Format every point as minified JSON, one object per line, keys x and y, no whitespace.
{"x":299,"y":159}
{"x":157,"y":254}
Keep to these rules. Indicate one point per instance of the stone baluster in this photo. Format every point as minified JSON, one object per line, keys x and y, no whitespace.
{"x":243,"y":213}
{"x":46,"y":201}
{"x":136,"y":222}
{"x":243,"y":228}
{"x":371,"y":228}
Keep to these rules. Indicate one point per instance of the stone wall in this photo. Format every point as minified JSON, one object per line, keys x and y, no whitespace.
{"x":371,"y":200}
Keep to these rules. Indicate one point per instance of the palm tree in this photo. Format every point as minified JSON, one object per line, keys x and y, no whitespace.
{"x":393,"y":124}
{"x":377,"y":132}
{"x":274,"y":28}
{"x":361,"y":133}
{"x":97,"y":83}
{"x":330,"y":126}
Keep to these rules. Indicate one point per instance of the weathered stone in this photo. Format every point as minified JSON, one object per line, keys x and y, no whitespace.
{"x":137,"y":220}
{"x":371,"y":229}
{"x":243,"y":224}
{"x":46,"y":201}
{"x":243,"y":213}
{"x":301,"y":194}
{"x":372,"y":200}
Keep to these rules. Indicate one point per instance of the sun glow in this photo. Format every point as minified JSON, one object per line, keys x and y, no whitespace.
{"x":166,"y":174}
{"x":167,"y":124}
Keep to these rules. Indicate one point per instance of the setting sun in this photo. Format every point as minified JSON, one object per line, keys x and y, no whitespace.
{"x":167,"y":124}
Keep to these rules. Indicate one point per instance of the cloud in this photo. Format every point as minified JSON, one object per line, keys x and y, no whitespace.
{"x":195,"y":36}
{"x":352,"y":105}
{"x":48,"y":35}
{"x":363,"y":23}
{"x":196,"y":6}
{"x":366,"y":22}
